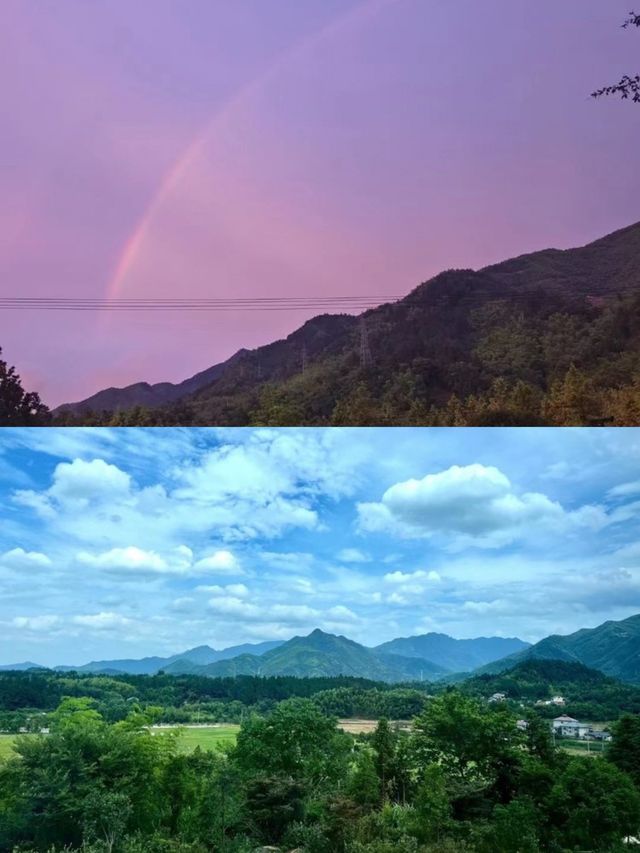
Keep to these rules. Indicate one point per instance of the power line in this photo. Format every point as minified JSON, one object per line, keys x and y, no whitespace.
{"x":428,"y":298}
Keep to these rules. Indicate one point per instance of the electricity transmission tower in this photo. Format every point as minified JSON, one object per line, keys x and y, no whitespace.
{"x":365,"y":349}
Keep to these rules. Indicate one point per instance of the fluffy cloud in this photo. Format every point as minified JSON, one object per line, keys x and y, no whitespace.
{"x":36,"y":623}
{"x":219,"y":563}
{"x":231,"y":605}
{"x":239,"y":590}
{"x":18,"y":558}
{"x":259,"y":485}
{"x":104,"y":621}
{"x":475,"y":502}
{"x":76,"y":485}
{"x":134,"y":561}
{"x":125,"y":560}
{"x":352,"y":555}
{"x":410,"y":577}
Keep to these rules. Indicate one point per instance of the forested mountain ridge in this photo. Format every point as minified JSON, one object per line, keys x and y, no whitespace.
{"x":551,"y":337}
{"x":321,"y":655}
{"x":612,"y":648}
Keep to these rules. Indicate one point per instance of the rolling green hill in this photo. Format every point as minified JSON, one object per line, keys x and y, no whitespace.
{"x":612,"y":648}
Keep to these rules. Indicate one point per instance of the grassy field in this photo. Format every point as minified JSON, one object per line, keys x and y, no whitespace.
{"x":582,"y":747}
{"x":206,"y":737}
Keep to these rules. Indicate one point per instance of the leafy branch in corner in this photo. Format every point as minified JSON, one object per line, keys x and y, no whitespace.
{"x":628,"y":87}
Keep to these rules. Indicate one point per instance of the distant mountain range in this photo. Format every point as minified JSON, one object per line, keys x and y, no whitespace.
{"x":184,"y":661}
{"x":318,"y":654}
{"x":453,"y":655}
{"x":452,"y":335}
{"x":612,"y":648}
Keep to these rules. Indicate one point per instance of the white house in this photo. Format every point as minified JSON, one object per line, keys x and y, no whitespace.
{"x":555,"y":700}
{"x":498,"y":697}
{"x":568,"y":727}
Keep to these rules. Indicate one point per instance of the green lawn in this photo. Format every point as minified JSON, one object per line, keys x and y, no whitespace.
{"x":207,"y":737}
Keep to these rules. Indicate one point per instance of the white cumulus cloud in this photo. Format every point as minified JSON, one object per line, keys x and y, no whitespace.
{"x":476,"y":502}
{"x":18,"y":558}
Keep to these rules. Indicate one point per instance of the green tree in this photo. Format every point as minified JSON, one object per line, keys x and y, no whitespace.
{"x":105,"y":817}
{"x":273,"y":803}
{"x":364,"y":783}
{"x":433,"y":816}
{"x":514,"y":828}
{"x":470,"y":740}
{"x":592,"y":806}
{"x":624,"y":749}
{"x":297,"y":741}
{"x":51,"y":789}
{"x":357,"y":408}
{"x":384,"y":741}
{"x":17,"y":406}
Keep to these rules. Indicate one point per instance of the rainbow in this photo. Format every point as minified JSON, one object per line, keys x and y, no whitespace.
{"x":171,"y":179}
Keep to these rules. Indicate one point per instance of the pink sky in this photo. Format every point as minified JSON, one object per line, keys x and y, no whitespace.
{"x":209,"y":148}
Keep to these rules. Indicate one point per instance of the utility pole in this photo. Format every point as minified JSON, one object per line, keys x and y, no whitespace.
{"x":365,"y":350}
{"x":304,"y":358}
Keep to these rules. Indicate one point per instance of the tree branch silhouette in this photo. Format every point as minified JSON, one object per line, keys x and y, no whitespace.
{"x":628,"y":87}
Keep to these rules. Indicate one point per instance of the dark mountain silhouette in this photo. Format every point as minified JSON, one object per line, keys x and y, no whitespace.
{"x":528,"y":320}
{"x":144,"y":394}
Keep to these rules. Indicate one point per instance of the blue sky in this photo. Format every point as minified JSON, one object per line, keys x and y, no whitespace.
{"x":131,"y":542}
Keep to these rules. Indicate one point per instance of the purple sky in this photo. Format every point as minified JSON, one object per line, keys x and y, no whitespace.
{"x":212,"y":148}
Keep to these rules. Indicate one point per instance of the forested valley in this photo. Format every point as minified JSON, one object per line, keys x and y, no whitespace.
{"x":94,"y":772}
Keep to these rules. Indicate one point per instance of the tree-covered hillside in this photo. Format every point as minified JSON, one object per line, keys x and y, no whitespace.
{"x":548,"y":338}
{"x":588,"y":694}
{"x":612,"y":648}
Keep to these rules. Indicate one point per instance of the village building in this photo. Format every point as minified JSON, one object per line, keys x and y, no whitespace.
{"x":498,"y":697}
{"x":555,"y":700}
{"x":569,"y":727}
